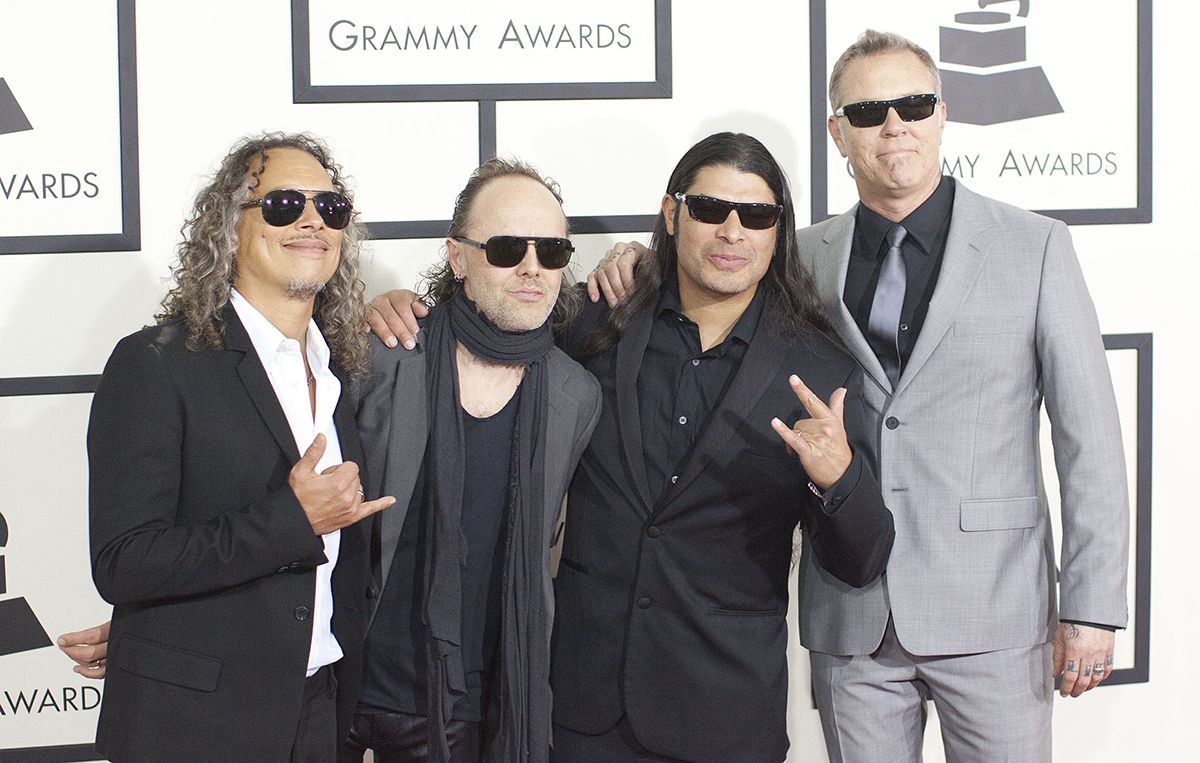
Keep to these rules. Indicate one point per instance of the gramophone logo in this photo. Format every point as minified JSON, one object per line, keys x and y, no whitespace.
{"x":12,"y":118}
{"x":20,"y":630}
{"x":988,"y":83}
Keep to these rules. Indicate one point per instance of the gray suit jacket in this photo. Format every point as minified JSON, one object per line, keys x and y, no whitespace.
{"x":393,"y":419}
{"x":1010,"y":324}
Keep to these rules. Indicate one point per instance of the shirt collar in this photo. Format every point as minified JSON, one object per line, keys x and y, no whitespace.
{"x":268,"y":340}
{"x":923,"y":224}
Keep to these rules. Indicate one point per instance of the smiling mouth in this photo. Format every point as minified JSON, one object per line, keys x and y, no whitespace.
{"x":313,"y":246}
{"x":727,"y":261}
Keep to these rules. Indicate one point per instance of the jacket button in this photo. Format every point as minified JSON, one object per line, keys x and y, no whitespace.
{"x":644,"y":602}
{"x":653,"y":532}
{"x":300,"y":613}
{"x":892,"y":422}
{"x":371,"y":592}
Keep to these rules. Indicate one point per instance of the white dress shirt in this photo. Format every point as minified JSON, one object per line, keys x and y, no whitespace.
{"x":284,"y":365}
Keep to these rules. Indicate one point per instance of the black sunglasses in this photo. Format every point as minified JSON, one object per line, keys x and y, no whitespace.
{"x":285,"y":205}
{"x":508,"y":251}
{"x":706,"y":209}
{"x":910,"y":108}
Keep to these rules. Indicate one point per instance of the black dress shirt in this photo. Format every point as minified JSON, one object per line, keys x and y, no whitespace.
{"x":679,"y":384}
{"x":923,"y":248}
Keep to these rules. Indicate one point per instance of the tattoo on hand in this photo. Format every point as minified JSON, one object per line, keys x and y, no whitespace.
{"x":1070,"y":666}
{"x":1072,"y":631}
{"x":1087,"y":670}
{"x":1108,"y":661}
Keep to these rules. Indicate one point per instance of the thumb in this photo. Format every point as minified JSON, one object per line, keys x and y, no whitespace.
{"x":837,"y":402}
{"x":314,"y":453}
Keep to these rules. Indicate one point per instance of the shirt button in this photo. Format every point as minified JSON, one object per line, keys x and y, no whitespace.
{"x":695,"y":361}
{"x":683,"y":419}
{"x":892,"y":422}
{"x":674,"y":478}
{"x":300,"y":613}
{"x":653,"y":532}
{"x":644,"y":602}
{"x":904,"y":327}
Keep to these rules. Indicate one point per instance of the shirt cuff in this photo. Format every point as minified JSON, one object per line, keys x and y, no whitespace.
{"x":832,"y":497}
{"x":1101,"y":626}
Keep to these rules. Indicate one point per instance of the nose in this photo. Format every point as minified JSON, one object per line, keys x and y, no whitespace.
{"x":893,"y":124}
{"x":529,"y":266}
{"x":731,"y":229}
{"x":309,"y":218}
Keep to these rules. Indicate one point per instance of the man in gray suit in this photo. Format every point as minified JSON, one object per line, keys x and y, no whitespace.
{"x":966,"y":315}
{"x":477,"y":430}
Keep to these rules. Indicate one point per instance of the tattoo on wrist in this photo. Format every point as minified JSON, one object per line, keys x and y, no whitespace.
{"x":1072,"y":631}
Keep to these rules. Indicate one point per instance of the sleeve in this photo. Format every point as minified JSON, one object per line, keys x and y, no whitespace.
{"x":1088,"y":450}
{"x":852,"y":531}
{"x":140,"y":551}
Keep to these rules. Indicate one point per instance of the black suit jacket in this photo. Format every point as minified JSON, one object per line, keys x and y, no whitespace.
{"x":671,"y":608}
{"x":207,"y":555}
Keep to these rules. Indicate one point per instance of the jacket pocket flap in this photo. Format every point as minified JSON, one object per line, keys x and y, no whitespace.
{"x":169,"y":664}
{"x":1001,"y":514}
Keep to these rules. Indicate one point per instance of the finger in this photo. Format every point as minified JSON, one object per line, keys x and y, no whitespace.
{"x":421,"y":310}
{"x":593,"y":289}
{"x":612,"y":285}
{"x":1070,"y":677}
{"x":367,"y":508}
{"x":791,"y":439}
{"x":837,"y":403}
{"x":95,"y":672}
{"x":627,"y":263}
{"x":93,"y":635}
{"x":379,"y":323}
{"x":808,"y":398}
{"x":313,"y":454}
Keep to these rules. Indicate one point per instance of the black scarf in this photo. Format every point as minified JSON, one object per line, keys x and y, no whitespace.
{"x":520,"y":710}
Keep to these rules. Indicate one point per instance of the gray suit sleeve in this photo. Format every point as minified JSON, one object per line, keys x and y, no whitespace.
{"x":1086,"y":434}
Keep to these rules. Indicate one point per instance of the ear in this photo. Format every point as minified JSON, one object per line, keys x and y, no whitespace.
{"x":455,"y":256}
{"x":669,"y":205}
{"x":941,"y":117}
{"x":835,"y":132}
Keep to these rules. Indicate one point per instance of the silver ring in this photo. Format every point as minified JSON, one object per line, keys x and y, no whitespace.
{"x":361,"y":494}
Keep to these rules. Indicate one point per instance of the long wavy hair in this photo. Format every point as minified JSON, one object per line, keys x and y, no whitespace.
{"x":795,"y":307}
{"x":440,"y":283}
{"x":206,"y":265}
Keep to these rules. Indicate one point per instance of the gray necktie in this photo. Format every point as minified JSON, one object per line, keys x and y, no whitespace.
{"x":886,"y":306}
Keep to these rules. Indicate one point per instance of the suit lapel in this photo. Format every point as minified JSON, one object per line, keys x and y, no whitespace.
{"x":757,"y":371}
{"x":630,"y":349}
{"x":406,"y":438}
{"x":258,"y":386}
{"x":966,"y":250}
{"x":831,"y":264}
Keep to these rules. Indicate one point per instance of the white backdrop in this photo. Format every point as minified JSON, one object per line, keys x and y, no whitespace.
{"x":209,"y":72}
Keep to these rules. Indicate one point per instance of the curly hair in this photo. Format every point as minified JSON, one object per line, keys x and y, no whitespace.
{"x":440,"y":283}
{"x":206,"y":264}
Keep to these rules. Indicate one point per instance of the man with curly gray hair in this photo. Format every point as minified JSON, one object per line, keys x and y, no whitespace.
{"x":221,"y":547}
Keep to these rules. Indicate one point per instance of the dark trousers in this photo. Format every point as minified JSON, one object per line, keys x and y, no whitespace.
{"x":617,"y":745}
{"x":316,"y":735}
{"x":401,"y":738}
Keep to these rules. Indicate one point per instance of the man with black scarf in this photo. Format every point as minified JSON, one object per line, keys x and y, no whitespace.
{"x":476,"y":432}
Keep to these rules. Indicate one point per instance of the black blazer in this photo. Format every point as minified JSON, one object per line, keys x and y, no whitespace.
{"x":207,"y":555}
{"x":671,"y":608}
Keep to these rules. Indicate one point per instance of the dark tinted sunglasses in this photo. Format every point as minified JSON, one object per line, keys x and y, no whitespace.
{"x":284,"y":207}
{"x":910,"y":108}
{"x":508,"y":251}
{"x":707,"y":209}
